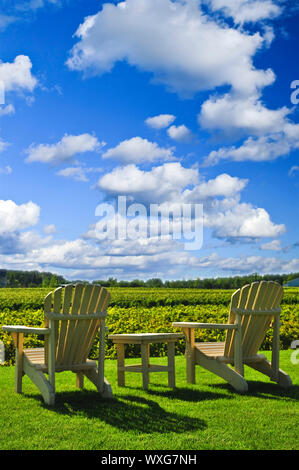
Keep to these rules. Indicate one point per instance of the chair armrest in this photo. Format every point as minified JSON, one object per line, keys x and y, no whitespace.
{"x":221,"y":326}
{"x":26,"y":329}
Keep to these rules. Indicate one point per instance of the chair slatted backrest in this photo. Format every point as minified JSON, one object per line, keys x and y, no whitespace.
{"x":263,"y":299}
{"x":74,"y":336}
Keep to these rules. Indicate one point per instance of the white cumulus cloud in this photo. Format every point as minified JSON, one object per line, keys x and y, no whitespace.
{"x":180,"y":133}
{"x":246,"y":114}
{"x":137,"y":150}
{"x":185,"y":49}
{"x":161,"y":183}
{"x":7,"y":110}
{"x":160,"y":121}
{"x":15,"y":217}
{"x":274,"y":245}
{"x":246,"y":11}
{"x":64,"y":150}
{"x":172,"y":185}
{"x":263,"y":148}
{"x":16,"y":75}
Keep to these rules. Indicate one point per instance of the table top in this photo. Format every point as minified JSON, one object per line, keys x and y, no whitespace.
{"x":142,"y":337}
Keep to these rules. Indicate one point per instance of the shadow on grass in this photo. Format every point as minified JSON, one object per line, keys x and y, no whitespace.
{"x":272,"y":390}
{"x":125,"y":412}
{"x":256,"y":388}
{"x":129,"y":412}
{"x":264,"y":390}
{"x":188,"y":394}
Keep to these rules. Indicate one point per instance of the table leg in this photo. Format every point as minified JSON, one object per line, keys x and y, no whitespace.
{"x":171,"y":364}
{"x":145,"y":364}
{"x":120,"y":347}
{"x":80,"y":380}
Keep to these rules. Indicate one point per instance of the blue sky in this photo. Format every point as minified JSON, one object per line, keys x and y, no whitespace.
{"x":166,"y":102}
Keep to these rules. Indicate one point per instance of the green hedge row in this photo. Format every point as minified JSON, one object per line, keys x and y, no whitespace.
{"x":154,"y":320}
{"x":33,"y":298}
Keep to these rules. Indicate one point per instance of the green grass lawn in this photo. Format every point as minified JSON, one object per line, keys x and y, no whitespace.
{"x":209,"y":415}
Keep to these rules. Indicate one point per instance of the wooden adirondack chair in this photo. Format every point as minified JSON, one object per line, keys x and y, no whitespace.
{"x":72,"y":317}
{"x":253,"y":309}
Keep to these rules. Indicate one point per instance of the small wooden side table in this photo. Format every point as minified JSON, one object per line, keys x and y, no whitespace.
{"x":144,"y":339}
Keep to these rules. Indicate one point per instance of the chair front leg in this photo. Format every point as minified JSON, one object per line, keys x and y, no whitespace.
{"x":52,"y":354}
{"x":18,"y":339}
{"x":275,"y":347}
{"x":101,"y":362}
{"x":190,"y":355}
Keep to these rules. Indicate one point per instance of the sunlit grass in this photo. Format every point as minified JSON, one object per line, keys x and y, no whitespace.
{"x":208,"y":415}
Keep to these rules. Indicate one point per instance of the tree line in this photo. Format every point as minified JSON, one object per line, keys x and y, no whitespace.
{"x":31,"y":279}
{"x":48,"y":279}
{"x":233,"y":282}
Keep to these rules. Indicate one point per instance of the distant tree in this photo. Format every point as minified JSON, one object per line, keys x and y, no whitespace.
{"x":155,"y":282}
{"x":124,"y":284}
{"x":54,"y":281}
{"x":136,"y":283}
{"x":33,"y":279}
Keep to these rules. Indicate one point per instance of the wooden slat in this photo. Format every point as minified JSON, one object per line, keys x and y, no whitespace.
{"x":231,"y":320}
{"x":92,"y":310}
{"x":271,"y":295}
{"x":102,"y":304}
{"x":256,"y":313}
{"x":211,"y":349}
{"x":239,"y":299}
{"x":47,"y":308}
{"x":103,"y":300}
{"x":258,"y":325}
{"x":78,"y":292}
{"x":264,"y":323}
{"x":75,"y":317}
{"x":56,"y":309}
{"x":278,"y":298}
{"x":67,"y":299}
{"x":75,"y":308}
{"x":94,"y":298}
{"x":81,"y":326}
{"x":92,"y":332}
{"x":84,"y":307}
{"x":253,"y":302}
{"x":248,"y":306}
{"x":35,"y":355}
{"x":93,"y":326}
